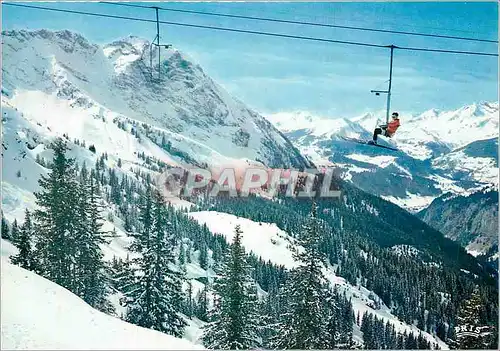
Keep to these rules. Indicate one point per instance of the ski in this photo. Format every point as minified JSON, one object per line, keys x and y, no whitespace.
{"x":365,"y":142}
{"x":383,"y":146}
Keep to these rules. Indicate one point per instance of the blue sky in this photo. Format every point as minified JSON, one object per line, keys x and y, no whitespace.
{"x":275,"y":74}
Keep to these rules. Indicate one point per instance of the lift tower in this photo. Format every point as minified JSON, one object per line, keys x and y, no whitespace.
{"x":156,"y":42}
{"x":388,"y":91}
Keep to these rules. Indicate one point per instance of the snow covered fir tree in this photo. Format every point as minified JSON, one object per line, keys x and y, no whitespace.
{"x":305,"y":318}
{"x":234,"y":321}
{"x":25,"y":257}
{"x":156,"y":297}
{"x":97,"y":255}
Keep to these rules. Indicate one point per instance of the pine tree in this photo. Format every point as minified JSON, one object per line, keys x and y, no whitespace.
{"x":441,"y":329}
{"x":202,"y":304}
{"x":472,"y":330}
{"x":411,"y":342}
{"x":189,"y":305}
{"x":127,"y":225}
{"x":304,"y":321}
{"x":24,"y":257}
{"x":40,"y":160}
{"x":146,"y":221}
{"x":367,"y":327}
{"x":157,"y":298}
{"x":188,"y":253}
{"x":122,"y":275}
{"x":203,"y":258}
{"x":5,"y":229}
{"x":55,"y":220}
{"x":270,"y":314}
{"x":401,"y":341}
{"x":123,"y":279}
{"x":14,"y":233}
{"x":334,"y":319}
{"x":421,"y":321}
{"x":92,"y":272}
{"x":346,"y":324}
{"x":234,"y":322}
{"x":182,"y":254}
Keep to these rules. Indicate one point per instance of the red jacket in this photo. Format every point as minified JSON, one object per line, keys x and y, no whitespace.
{"x":393,"y":126}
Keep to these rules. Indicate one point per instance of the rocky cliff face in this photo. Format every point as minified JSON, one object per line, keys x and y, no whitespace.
{"x":471,"y":220}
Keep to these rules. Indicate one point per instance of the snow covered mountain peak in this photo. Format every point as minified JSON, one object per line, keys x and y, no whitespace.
{"x":315,"y":125}
{"x":66,"y":39}
{"x":432,"y":113}
{"x":202,"y":121}
{"x":457,"y":127}
{"x":136,"y":42}
{"x":134,"y":51}
{"x":123,"y":52}
{"x":480,"y":109}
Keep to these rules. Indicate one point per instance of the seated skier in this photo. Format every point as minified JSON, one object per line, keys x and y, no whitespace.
{"x":389,"y":129}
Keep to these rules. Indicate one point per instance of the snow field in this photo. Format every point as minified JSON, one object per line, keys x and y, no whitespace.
{"x":39,"y":314}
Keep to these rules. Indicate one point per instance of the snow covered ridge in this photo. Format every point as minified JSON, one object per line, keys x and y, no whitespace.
{"x":44,"y":70}
{"x":478,"y":160}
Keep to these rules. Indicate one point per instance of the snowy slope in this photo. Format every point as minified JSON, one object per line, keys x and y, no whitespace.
{"x":25,"y":137}
{"x":269,"y":242}
{"x":264,"y":239}
{"x":39,"y":314}
{"x":57,"y":84}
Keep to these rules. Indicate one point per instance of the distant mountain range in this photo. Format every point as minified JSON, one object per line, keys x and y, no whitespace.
{"x":441,"y":152}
